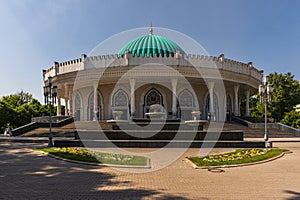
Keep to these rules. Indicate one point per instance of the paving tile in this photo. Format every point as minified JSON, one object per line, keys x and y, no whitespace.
{"x":27,"y":175}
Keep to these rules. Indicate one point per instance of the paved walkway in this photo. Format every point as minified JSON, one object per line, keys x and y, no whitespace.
{"x":29,"y":175}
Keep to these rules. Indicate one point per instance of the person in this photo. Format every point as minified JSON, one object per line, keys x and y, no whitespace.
{"x":7,"y":131}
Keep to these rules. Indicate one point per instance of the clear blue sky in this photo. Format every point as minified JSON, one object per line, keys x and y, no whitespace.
{"x":35,"y":33}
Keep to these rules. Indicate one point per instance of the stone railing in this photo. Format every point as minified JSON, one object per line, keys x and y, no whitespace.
{"x":104,"y":61}
{"x":289,"y":129}
{"x":279,"y":126}
{"x":70,"y":66}
{"x":184,"y":60}
{"x":39,"y":122}
{"x":46,"y":119}
{"x":49,"y":72}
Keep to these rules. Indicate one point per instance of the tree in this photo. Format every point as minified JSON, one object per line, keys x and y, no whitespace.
{"x":7,"y":115}
{"x":292,"y":118}
{"x":18,"y":99}
{"x":26,"y":111}
{"x":18,"y":109}
{"x":256,"y":109}
{"x":286,"y":95}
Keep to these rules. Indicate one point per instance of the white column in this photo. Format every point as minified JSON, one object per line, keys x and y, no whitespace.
{"x":132,"y":97}
{"x":95,"y":86}
{"x":239,"y":106}
{"x":236,"y":100}
{"x":224,"y":110}
{"x":58,"y":111}
{"x":70,"y":102}
{"x":66,"y":106}
{"x":211,"y":86}
{"x":174,"y":98}
{"x":247,"y":103}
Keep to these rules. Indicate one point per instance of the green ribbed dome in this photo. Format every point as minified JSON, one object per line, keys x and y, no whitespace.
{"x":151,"y":45}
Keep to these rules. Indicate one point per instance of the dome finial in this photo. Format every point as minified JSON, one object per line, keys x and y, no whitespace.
{"x":151,"y":29}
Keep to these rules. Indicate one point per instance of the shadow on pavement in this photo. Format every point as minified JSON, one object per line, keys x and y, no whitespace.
{"x":296,"y":195}
{"x":28,"y":175}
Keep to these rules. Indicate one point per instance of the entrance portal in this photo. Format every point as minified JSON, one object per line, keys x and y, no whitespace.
{"x":153,"y":96}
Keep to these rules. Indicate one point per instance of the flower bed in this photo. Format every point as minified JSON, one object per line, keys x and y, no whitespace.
{"x":239,"y":156}
{"x":83,"y":154}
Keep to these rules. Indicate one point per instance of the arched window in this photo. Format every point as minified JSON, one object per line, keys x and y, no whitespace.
{"x":120,"y":103}
{"x":120,"y":99}
{"x":186,"y":99}
{"x":77,"y":108}
{"x":185,"y":104}
{"x":153,"y":96}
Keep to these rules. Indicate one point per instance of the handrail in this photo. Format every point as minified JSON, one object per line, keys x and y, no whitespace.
{"x":34,"y":125}
{"x":276,"y":125}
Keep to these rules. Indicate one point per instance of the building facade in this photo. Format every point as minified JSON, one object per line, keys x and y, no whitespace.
{"x":152,"y":69}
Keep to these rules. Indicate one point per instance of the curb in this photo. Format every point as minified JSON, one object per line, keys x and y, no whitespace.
{"x":211,"y":168}
{"x":148,"y":166}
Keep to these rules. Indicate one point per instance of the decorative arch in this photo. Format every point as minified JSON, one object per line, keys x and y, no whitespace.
{"x":120,"y":99}
{"x":90,"y":109}
{"x":153,"y":96}
{"x":120,"y":102}
{"x":186,"y":98}
{"x":186,"y":104}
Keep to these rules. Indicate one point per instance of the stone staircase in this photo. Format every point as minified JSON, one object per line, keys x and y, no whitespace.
{"x":232,"y":135}
{"x":257,"y":132}
{"x":40,"y":125}
{"x":69,"y":130}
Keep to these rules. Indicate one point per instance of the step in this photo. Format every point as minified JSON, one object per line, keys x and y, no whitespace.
{"x":69,"y":130}
{"x":159,"y":135}
{"x":158,"y":144}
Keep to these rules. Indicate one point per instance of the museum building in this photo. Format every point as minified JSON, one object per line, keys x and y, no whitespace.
{"x":152,"y":69}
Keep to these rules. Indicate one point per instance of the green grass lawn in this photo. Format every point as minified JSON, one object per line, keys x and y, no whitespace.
{"x":239,"y":156}
{"x":85,"y":155}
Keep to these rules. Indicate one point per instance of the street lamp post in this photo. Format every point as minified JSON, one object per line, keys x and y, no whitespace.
{"x":50,"y":93}
{"x":265,"y":93}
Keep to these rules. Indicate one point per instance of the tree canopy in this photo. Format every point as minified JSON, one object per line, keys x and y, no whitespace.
{"x":18,"y":109}
{"x":18,"y":99}
{"x":292,"y":118}
{"x":286,"y":95}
